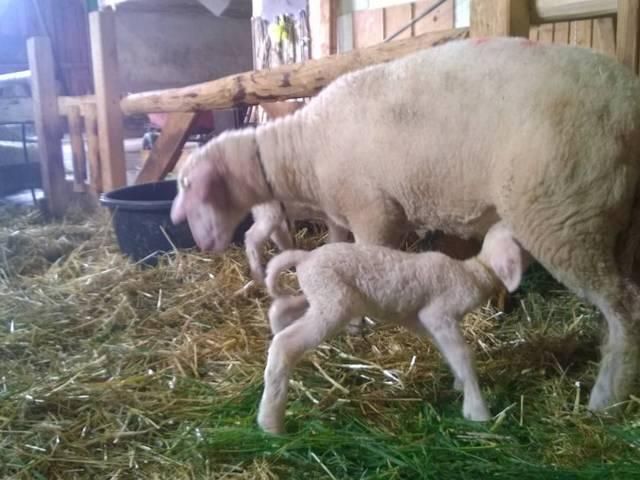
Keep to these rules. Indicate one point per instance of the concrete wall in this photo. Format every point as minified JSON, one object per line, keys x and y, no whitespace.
{"x":179,"y":47}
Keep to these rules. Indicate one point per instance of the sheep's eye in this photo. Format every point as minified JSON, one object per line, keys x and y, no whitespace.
{"x":184,"y":181}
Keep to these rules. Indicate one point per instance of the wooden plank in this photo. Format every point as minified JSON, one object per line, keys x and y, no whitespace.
{"x":499,"y":18}
{"x":397,"y":17}
{"x":280,"y":83}
{"x":368,"y":28}
{"x":16,"y":109}
{"x":78,"y":156}
{"x":561,"y":33}
{"x":627,"y":34}
{"x":47,"y":122}
{"x":547,"y":11}
{"x":93,"y":147}
{"x":107,"y":90}
{"x":322,"y":24}
{"x":604,"y":37}
{"x":442,"y":18}
{"x":12,"y":78}
{"x":167,"y":148}
{"x":545,"y":33}
{"x":580,"y":33}
{"x":533,"y":33}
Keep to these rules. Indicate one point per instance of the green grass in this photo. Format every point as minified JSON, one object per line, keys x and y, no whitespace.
{"x":108,"y":370}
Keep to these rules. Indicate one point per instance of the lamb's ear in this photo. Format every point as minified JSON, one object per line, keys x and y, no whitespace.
{"x":178,"y":210}
{"x":506,"y":262}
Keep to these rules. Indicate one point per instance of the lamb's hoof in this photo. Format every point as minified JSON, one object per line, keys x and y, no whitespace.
{"x":270,"y":425}
{"x":355,"y":328}
{"x":602,"y":402}
{"x":477,"y":413}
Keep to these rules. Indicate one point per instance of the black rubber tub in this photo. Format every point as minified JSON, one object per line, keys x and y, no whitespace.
{"x":142,"y":212}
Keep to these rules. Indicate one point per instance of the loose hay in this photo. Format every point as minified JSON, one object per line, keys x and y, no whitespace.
{"x":111,"y":370}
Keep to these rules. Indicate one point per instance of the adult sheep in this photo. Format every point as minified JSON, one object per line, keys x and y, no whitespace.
{"x":455,"y":138}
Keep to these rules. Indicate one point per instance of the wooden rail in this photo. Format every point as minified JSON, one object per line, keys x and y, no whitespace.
{"x":546,"y":11}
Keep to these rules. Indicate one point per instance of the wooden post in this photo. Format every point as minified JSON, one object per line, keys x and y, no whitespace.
{"x":499,"y":18}
{"x":93,"y":148}
{"x":47,"y":122}
{"x":627,"y":34}
{"x":77,"y":149}
{"x":104,"y":56}
{"x":322,"y":19}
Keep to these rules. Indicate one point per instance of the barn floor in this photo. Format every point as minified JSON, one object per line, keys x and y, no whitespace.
{"x":111,"y":371}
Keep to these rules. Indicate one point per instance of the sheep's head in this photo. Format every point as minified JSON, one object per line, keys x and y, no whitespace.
{"x":206,"y":200}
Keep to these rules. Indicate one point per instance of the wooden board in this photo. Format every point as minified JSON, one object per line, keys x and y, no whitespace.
{"x":322,"y":24}
{"x":561,"y":33}
{"x":107,"y":92}
{"x":499,"y":18}
{"x":397,"y":17}
{"x":368,"y":27}
{"x":16,"y":109}
{"x":77,"y":149}
{"x":604,"y":37}
{"x":545,"y":33}
{"x":580,"y":33}
{"x":47,"y":122}
{"x":167,"y":148}
{"x":93,"y":148}
{"x":545,"y":11}
{"x":442,"y":18}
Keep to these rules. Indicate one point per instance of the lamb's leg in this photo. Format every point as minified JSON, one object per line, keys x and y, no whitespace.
{"x":286,"y":310}
{"x":254,"y":241}
{"x":282,"y":236}
{"x":286,"y":350}
{"x":336,"y":233}
{"x":446,"y":333}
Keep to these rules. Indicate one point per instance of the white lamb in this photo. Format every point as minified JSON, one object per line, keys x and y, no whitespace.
{"x":271,"y":221}
{"x":428,"y":293}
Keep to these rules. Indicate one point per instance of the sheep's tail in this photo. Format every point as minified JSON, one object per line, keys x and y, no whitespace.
{"x":280,"y":263}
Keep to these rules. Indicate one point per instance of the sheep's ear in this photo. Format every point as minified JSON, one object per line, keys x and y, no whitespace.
{"x":508,"y":265}
{"x":178,"y":209}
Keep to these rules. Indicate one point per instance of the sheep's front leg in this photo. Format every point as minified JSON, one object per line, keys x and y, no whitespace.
{"x":446,"y":333}
{"x":286,"y":350}
{"x":282,"y":236}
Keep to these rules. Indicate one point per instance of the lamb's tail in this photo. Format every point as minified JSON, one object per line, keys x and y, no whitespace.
{"x":278,"y":264}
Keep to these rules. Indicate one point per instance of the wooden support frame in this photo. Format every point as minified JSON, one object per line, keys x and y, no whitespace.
{"x":165,"y":152}
{"x":628,"y":33}
{"x":104,"y":57}
{"x":47,"y":122}
{"x":324,"y":35}
{"x":75,"y":122}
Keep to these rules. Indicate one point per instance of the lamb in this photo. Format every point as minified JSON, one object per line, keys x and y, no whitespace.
{"x":455,"y":138}
{"x":427,"y":293}
{"x":271,"y":220}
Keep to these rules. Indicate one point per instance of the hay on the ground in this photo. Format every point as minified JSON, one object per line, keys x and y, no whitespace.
{"x":111,"y":370}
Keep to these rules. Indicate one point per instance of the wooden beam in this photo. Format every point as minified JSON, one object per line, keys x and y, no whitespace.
{"x":93,"y":148}
{"x":77,"y":149}
{"x":104,"y":55}
{"x":604,"y":36}
{"x":23,"y":77}
{"x":547,"y":11}
{"x":281,"y":83}
{"x":499,"y":18}
{"x":16,"y":109}
{"x":627,"y":33}
{"x":167,"y":148}
{"x":47,"y":121}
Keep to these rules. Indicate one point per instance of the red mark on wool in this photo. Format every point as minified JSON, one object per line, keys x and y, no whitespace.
{"x":529,"y":43}
{"x":480,"y":40}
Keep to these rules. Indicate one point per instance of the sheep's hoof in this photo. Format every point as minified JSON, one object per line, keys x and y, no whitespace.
{"x":356,"y":327}
{"x":458,"y":385}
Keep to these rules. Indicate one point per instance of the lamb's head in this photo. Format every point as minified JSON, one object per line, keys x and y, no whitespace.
{"x":504,"y":255}
{"x":212,"y":197}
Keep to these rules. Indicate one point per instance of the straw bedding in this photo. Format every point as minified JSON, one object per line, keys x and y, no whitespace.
{"x":111,"y":370}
